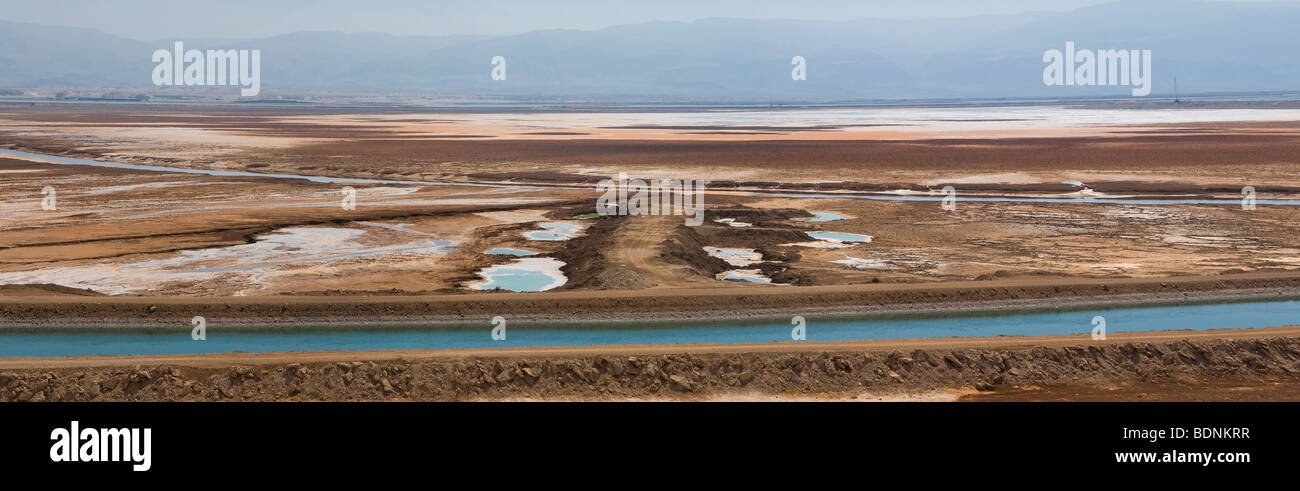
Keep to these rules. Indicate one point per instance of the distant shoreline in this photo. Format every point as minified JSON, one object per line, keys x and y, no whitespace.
{"x":402,"y":103}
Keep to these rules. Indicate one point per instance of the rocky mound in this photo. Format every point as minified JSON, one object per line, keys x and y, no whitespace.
{"x":684,"y":376}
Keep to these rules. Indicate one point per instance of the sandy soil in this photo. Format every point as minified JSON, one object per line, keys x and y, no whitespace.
{"x":1116,"y":151}
{"x":1194,"y":153}
{"x":138,"y":247}
{"x":120,"y":231}
{"x":1199,"y":365}
{"x":57,"y":308}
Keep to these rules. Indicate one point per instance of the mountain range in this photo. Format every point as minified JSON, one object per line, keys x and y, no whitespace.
{"x":1208,"y":46}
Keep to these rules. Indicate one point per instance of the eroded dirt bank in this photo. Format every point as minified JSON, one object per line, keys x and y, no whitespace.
{"x":1181,"y":362}
{"x":644,"y":305}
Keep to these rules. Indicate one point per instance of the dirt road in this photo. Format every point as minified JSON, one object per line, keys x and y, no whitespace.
{"x":648,"y":304}
{"x":636,"y":246}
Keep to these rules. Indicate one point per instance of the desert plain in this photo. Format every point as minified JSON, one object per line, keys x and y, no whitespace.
{"x":236,"y":211}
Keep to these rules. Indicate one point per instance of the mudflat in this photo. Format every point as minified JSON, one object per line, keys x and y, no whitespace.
{"x":421,"y":230}
{"x":62,"y":308}
{"x":1092,"y":205}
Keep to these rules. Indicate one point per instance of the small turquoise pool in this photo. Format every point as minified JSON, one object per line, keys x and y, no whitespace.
{"x":824,"y":216}
{"x":506,"y":251}
{"x":534,"y":274}
{"x":840,"y":236}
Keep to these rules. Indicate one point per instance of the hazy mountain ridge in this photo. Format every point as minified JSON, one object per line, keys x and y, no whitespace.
{"x":1208,"y":46}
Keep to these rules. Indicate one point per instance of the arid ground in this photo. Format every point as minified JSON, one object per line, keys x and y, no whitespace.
{"x":449,"y":185}
{"x":1249,"y":364}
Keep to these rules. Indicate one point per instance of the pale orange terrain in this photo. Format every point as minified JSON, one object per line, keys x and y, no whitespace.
{"x":149,"y":246}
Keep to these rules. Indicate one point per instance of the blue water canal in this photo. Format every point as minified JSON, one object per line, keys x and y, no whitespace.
{"x":90,"y":341}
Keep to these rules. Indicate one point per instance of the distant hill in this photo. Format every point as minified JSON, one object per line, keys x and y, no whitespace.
{"x":1209,"y":46}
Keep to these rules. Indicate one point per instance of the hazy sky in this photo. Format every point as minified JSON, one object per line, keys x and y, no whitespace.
{"x":157,"y":19}
{"x":166,"y":19}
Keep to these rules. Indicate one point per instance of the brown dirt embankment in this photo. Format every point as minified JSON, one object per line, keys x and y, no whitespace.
{"x":1187,"y":360}
{"x":649,"y":304}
